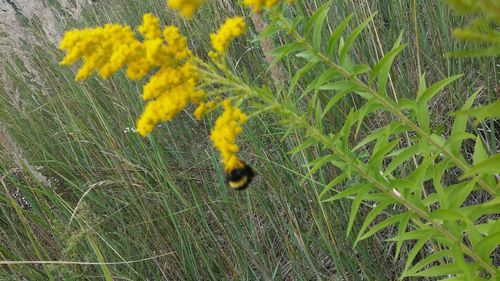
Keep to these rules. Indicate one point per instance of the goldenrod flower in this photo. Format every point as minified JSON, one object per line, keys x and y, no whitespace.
{"x":107,"y":49}
{"x":167,"y":106}
{"x":168,"y":77}
{"x":257,"y":5}
{"x":150,"y":27}
{"x":104,"y":49}
{"x":226,"y":129}
{"x":203,"y":108}
{"x":231,"y":29}
{"x":176,"y":42}
{"x":186,"y":7}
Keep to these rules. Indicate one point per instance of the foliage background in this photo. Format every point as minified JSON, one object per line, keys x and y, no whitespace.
{"x":95,"y":191}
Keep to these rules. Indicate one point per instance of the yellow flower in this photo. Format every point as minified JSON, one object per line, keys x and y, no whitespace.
{"x":107,"y":49}
{"x":203,"y":108}
{"x":176,"y":42}
{"x":186,"y":7}
{"x":226,"y":129}
{"x":167,"y":106}
{"x":150,"y":27}
{"x":257,"y":5}
{"x":168,"y":77}
{"x":231,"y":29}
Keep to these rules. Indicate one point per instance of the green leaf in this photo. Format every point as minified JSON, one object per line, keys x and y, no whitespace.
{"x":344,"y":132}
{"x":371,"y":106}
{"x":318,"y":14}
{"x":337,"y":180}
{"x":100,"y":258}
{"x":480,"y":153}
{"x":383,"y":67}
{"x":405,"y":154}
{"x":305,"y":144}
{"x":448,"y":215}
{"x":440,"y":270}
{"x":387,"y":59}
{"x":299,"y":74}
{"x":338,"y":96}
{"x":488,"y":227}
{"x":406,"y":104}
{"x":427,"y":261}
{"x":457,"y":139}
{"x":487,"y":245}
{"x":360,"y":69}
{"x":380,"y":151}
{"x":341,"y":85}
{"x":350,"y":40}
{"x":283,"y":51}
{"x":474,"y":212}
{"x":337,"y":33}
{"x":318,"y":24}
{"x":401,"y":229}
{"x":422,"y":240}
{"x":456,"y":278}
{"x":348,"y":192}
{"x":394,"y":127}
{"x":362,"y":191}
{"x":381,"y":225}
{"x":372,"y":215}
{"x":419,"y":174}
{"x":457,"y":194}
{"x":460,"y":123}
{"x":413,"y":235}
{"x":319,"y":163}
{"x":321,"y":80}
{"x":422,"y":112}
{"x":308,"y":55}
{"x":319,"y":120}
{"x":422,"y":85}
{"x":431,"y":91}
{"x":491,"y":110}
{"x":439,"y":141}
{"x":488,"y":166}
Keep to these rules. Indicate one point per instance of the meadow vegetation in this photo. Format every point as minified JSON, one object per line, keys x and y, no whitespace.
{"x":80,"y":187}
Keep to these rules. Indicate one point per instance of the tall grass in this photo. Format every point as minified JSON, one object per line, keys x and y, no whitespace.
{"x":117,"y":200}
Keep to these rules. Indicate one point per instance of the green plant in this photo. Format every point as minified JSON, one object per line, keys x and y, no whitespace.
{"x":402,"y":164}
{"x":483,"y":29}
{"x":400,"y":169}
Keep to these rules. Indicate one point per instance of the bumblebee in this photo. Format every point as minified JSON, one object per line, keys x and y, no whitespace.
{"x":239,"y":179}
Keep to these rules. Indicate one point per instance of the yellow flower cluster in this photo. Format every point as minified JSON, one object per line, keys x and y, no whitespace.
{"x":174,"y":84}
{"x":232,"y":28}
{"x":107,"y":49}
{"x":226,"y":129}
{"x":104,"y":49}
{"x":166,"y":107}
{"x":186,"y":7}
{"x":257,"y":5}
{"x":203,"y":108}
